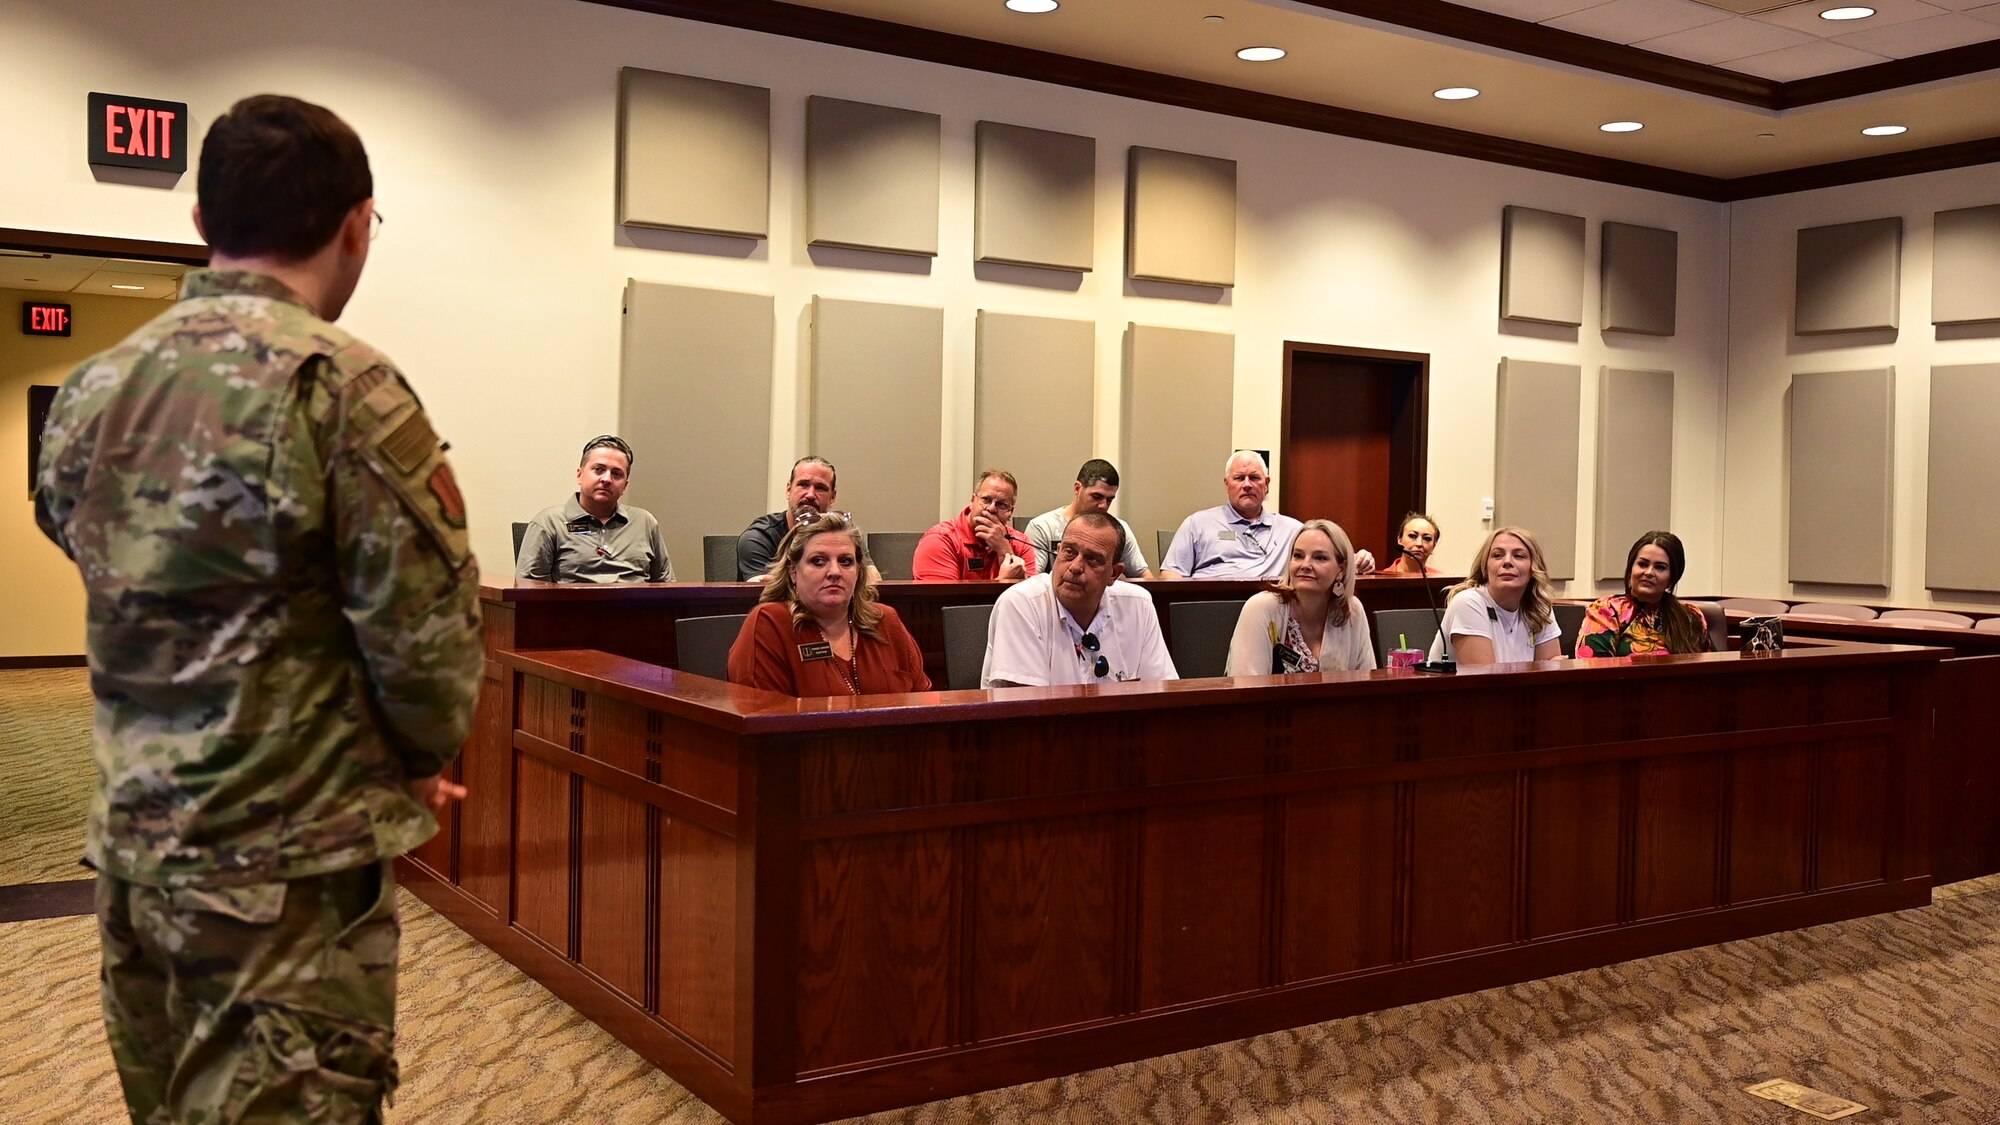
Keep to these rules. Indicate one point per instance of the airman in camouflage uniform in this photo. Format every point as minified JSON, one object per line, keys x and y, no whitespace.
{"x":284,"y":646}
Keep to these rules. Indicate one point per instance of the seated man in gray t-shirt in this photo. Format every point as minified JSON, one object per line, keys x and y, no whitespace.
{"x":1096,"y":488}
{"x":592,"y":537}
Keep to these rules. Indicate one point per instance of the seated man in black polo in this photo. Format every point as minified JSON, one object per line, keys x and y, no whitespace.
{"x":811,"y":491}
{"x":592,"y":537}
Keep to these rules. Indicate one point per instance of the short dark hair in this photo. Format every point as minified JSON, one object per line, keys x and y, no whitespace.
{"x":277,"y":178}
{"x":606,"y":441}
{"x":1097,"y":470}
{"x":1101,"y":520}
{"x":814,"y":459}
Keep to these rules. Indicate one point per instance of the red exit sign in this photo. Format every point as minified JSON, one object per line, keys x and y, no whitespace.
{"x":138,"y":133}
{"x":40,"y":318}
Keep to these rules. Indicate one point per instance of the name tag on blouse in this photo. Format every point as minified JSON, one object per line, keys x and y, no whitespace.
{"x":1229,"y":535}
{"x":817,"y":650}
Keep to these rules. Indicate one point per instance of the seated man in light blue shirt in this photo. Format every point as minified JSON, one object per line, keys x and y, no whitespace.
{"x":1240,"y":539}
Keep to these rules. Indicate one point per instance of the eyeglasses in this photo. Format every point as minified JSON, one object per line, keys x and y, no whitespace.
{"x":997,"y":505}
{"x":1102,"y":667}
{"x":375,"y":221}
{"x":1250,"y":541}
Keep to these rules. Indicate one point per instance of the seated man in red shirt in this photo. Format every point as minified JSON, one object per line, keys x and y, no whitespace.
{"x":981,"y":543}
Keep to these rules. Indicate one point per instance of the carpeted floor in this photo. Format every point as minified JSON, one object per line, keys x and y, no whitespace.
{"x":46,"y":773}
{"x":1900,"y":1012}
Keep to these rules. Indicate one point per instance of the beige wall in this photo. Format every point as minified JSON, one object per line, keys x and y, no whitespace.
{"x":41,"y":598}
{"x":497,"y":281}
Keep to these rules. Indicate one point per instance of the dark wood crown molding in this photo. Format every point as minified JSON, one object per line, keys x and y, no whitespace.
{"x":1886,"y":166}
{"x":143,"y":249}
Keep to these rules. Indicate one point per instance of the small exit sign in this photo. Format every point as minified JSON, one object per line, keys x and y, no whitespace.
{"x":40,"y":318}
{"x":138,"y":133}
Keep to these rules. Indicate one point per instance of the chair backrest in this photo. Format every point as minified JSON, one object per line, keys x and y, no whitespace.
{"x":703,"y":643}
{"x":1927,"y":617}
{"x":1418,"y":626}
{"x":1759,"y":607}
{"x":965,"y":644}
{"x":520,"y":530}
{"x":1021,"y":522}
{"x":1987,"y":625}
{"x":1569,"y":617}
{"x":718,"y":558}
{"x":1163,"y":540}
{"x":1833,"y":609}
{"x":1718,"y":624}
{"x":894,"y":553}
{"x":1198,"y":636}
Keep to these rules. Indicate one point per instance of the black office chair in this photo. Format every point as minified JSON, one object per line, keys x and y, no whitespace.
{"x":703,"y":643}
{"x":1163,"y":540}
{"x":718,"y":558}
{"x":894,"y":554}
{"x":1200,"y":636}
{"x":1718,"y":624}
{"x":1418,"y":626}
{"x":520,"y":530}
{"x":965,"y":628}
{"x":1570,"y":617}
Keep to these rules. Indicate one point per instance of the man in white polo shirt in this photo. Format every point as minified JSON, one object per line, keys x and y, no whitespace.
{"x":1077,"y":624}
{"x":1240,"y":539}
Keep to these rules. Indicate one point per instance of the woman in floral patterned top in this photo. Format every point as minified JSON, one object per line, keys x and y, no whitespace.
{"x":1647,"y":617}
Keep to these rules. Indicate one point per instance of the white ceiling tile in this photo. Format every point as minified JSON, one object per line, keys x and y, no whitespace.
{"x":1628,"y":21}
{"x":1805,"y":17}
{"x":1721,"y":42}
{"x":58,"y":275}
{"x":1531,"y":11}
{"x":1921,"y":37}
{"x":1990,"y":12}
{"x":105,"y":281}
{"x":1959,"y":5}
{"x":161,"y":269}
{"x":1807,"y":60}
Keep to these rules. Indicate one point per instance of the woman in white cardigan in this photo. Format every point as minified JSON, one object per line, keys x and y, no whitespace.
{"x":1311,"y":622}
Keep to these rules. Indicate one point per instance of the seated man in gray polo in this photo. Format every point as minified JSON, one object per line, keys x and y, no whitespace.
{"x":1096,"y":487}
{"x":1240,"y":539}
{"x":592,"y":537}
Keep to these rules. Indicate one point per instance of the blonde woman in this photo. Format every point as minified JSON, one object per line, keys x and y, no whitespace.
{"x":1312,"y":621}
{"x":1501,"y":613}
{"x":818,"y":628}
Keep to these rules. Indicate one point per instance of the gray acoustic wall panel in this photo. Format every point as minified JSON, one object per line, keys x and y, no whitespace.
{"x":1635,"y":462}
{"x":1962,"y":537}
{"x":1965,"y":272}
{"x":1849,"y":276}
{"x":1035,"y":387}
{"x":1641,"y":277}
{"x":1535,"y":463}
{"x":693,"y":154}
{"x":1178,"y":396}
{"x":1035,"y":197}
{"x":684,"y":347}
{"x":1180,"y":218}
{"x":1839,"y":465}
{"x":878,"y":408}
{"x":1541,"y":266}
{"x":871,"y":177}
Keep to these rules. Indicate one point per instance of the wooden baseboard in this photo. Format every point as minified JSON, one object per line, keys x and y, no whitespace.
{"x":7,"y":662}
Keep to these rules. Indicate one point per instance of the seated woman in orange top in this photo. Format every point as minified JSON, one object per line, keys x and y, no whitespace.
{"x":1417,"y":541}
{"x":1647,"y":617}
{"x":818,"y":629}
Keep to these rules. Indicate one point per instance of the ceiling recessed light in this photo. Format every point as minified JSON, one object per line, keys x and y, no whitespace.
{"x":1884,"y":130}
{"x":1031,"y":7}
{"x":1856,"y":13}
{"x":1766,"y":136}
{"x":139,"y":288}
{"x":1211,"y":19}
{"x":1261,"y":54}
{"x":1621,"y":126}
{"x":1455,"y":93}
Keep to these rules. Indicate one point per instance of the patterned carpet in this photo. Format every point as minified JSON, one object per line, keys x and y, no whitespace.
{"x":1900,"y":1012}
{"x":46,"y":773}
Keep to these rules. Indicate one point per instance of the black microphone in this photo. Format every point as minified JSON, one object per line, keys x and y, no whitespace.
{"x":1446,"y":666}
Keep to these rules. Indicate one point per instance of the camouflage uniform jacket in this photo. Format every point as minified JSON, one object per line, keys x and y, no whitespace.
{"x":282,"y":606}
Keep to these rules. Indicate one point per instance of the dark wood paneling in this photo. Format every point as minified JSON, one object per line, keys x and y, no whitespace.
{"x":697,"y":925}
{"x":1770,"y":813}
{"x":1353,"y":439}
{"x":1850,"y":843}
{"x":59,"y":242}
{"x":1965,"y":830}
{"x":1574,"y":833}
{"x":542,"y":851}
{"x":1677,"y":835}
{"x":1462,"y":870}
{"x":1337,"y":909}
{"x":1202,"y":904}
{"x":486,"y":770}
{"x":611,"y":897}
{"x":1045,"y":925}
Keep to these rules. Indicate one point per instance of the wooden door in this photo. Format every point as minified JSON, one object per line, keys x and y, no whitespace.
{"x":1353,"y":442}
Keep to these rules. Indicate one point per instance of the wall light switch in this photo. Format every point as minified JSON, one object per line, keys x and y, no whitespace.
{"x":1486,"y":509}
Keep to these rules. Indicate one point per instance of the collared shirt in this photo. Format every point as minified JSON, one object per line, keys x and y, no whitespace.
{"x":757,"y":547}
{"x":1220,"y":543}
{"x":567,"y":544}
{"x":1032,"y":640}
{"x":950,"y":552}
{"x":1045,"y":534}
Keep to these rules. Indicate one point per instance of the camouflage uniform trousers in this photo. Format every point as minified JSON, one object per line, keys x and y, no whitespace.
{"x":266,"y":1003}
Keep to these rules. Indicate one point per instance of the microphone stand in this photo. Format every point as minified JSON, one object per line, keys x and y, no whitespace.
{"x":1447,"y":666}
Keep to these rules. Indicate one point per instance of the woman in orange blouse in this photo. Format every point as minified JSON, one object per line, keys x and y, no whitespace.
{"x":818,"y":628}
{"x":1647,"y":617}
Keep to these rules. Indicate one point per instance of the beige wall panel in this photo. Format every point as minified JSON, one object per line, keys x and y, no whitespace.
{"x":1635,"y":462}
{"x":694,"y":402}
{"x":1176,"y":426}
{"x":1849,"y":277}
{"x":1035,"y":197}
{"x":1962,"y":537}
{"x":1180,"y":218}
{"x":1541,"y":266}
{"x":1641,"y":278}
{"x":878,"y":408}
{"x":1965,"y":271}
{"x":1035,"y":387}
{"x":1840,"y":473}
{"x":693,"y":154}
{"x":872,"y":177}
{"x":1538,"y":413}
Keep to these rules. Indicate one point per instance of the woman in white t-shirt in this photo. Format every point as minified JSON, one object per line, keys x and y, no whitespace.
{"x":1312,"y":621}
{"x":1501,"y":613}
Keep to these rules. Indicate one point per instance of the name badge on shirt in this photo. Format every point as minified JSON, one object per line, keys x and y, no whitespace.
{"x":1230,"y":535}
{"x":816,"y":650}
{"x":976,"y":563}
{"x":1492,"y":614}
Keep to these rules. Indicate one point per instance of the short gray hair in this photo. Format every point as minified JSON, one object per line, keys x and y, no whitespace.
{"x":1241,"y":454}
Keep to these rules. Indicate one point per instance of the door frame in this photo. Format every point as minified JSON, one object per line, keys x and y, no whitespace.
{"x":1420,"y":414}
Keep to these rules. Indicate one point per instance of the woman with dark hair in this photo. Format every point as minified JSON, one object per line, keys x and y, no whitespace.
{"x":1647,"y":617}
{"x":1415,"y":543}
{"x":818,"y":628}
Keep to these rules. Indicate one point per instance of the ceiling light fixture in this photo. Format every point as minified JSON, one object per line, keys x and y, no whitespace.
{"x":1884,"y":130}
{"x":1261,"y":54}
{"x":138,"y":288}
{"x":1621,"y":126}
{"x":1455,"y":93}
{"x":1211,"y":19}
{"x":1032,"y":7}
{"x":1856,"y":13}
